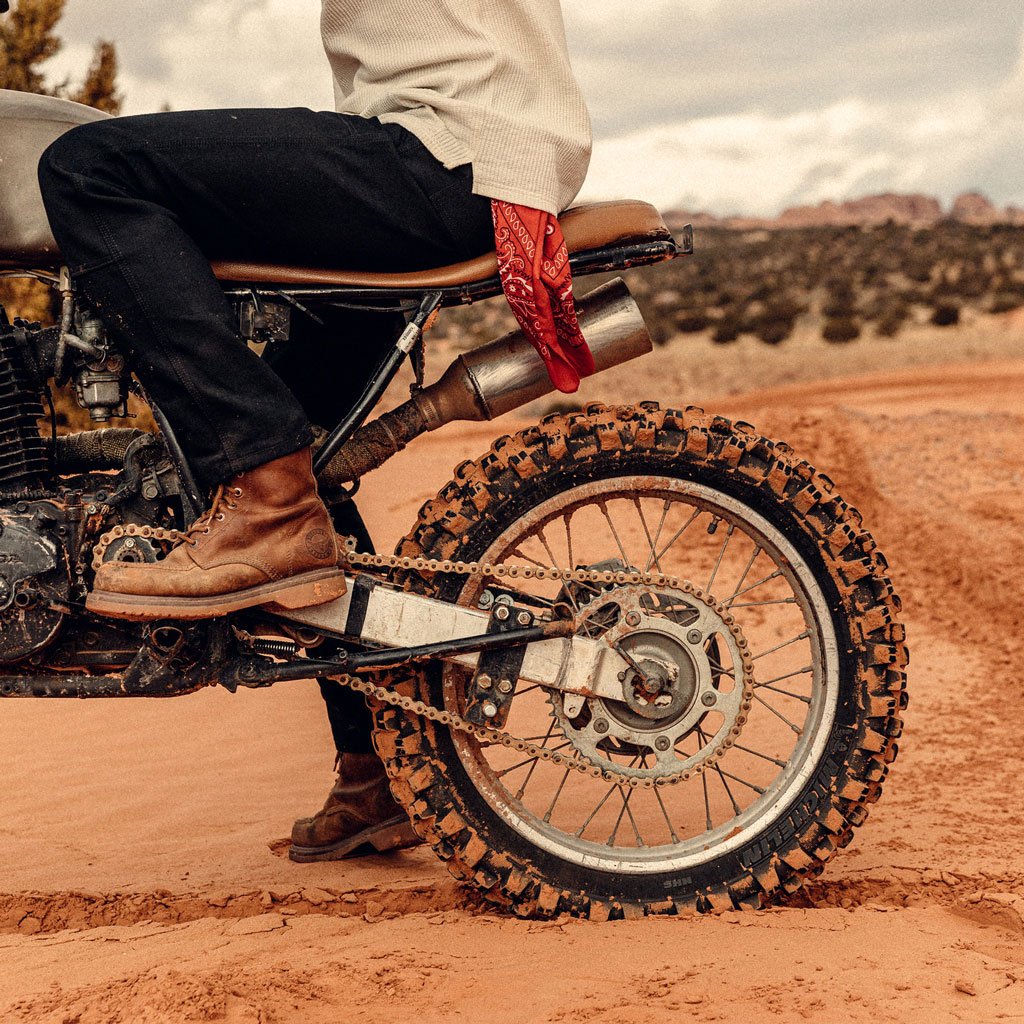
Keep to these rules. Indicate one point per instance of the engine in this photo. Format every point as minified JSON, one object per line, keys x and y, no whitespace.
{"x":34,"y":579}
{"x":57,"y":497}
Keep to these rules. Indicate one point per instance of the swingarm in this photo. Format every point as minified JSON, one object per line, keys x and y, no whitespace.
{"x":402,"y":627}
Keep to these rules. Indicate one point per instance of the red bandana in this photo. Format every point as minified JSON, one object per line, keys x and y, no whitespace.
{"x":534,"y":266}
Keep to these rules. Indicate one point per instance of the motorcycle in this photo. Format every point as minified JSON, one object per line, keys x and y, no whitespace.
{"x":632,"y":660}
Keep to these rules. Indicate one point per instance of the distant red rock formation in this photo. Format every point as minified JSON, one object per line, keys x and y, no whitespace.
{"x":914,"y":209}
{"x":906,"y":209}
{"x":974,"y":208}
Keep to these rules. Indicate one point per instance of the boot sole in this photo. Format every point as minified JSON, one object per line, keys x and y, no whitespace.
{"x":394,"y":834}
{"x":303,"y":591}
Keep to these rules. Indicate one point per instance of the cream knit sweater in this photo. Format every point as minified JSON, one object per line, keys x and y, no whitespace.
{"x":485,"y":82}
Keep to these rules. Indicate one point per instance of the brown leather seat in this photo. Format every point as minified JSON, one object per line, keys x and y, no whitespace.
{"x":586,"y":227}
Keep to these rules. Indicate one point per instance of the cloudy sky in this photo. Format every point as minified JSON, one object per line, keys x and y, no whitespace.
{"x":734,"y":106}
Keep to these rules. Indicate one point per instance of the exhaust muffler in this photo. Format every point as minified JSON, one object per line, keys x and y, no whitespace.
{"x":492,"y":380}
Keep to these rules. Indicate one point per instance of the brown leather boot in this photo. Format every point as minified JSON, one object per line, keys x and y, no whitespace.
{"x":267,"y":539}
{"x":359,"y":817}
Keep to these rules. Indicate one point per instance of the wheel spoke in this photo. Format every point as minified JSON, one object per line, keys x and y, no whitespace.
{"x":568,"y":540}
{"x":668,"y":820}
{"x":753,"y":558}
{"x":753,"y":586}
{"x":707,"y":801}
{"x":721,"y":555}
{"x":757,"y":753}
{"x":653,"y":557}
{"x":558,"y":793}
{"x":778,"y":714}
{"x":786,"y":693}
{"x":761,"y":604}
{"x":611,"y":789}
{"x":536,"y":761}
{"x":778,"y":647}
{"x":677,"y":535}
{"x":789,"y":675}
{"x":615,"y":533}
{"x":742,"y":782}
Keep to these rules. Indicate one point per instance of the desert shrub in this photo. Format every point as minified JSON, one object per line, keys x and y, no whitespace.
{"x":727,"y":329}
{"x":691,"y":321}
{"x":840,"y":301}
{"x":891,"y":319}
{"x":840,"y":329}
{"x":1005,"y":301}
{"x":774,"y":332}
{"x":945,"y":314}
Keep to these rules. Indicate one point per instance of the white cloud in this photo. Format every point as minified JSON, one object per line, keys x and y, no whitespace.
{"x":728,"y":105}
{"x":755,"y":164}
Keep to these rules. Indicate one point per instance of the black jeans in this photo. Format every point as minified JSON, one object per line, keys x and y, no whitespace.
{"x":140,"y":205}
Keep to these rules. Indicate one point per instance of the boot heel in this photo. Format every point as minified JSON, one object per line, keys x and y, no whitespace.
{"x":306,"y":595}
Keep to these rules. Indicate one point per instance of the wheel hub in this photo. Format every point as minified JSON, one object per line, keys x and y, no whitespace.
{"x":686,"y":687}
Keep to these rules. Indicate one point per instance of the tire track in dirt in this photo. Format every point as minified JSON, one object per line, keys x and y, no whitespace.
{"x":30,"y":913}
{"x":1000,"y":896}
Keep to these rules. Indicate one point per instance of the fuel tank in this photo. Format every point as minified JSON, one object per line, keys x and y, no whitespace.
{"x":28,"y":124}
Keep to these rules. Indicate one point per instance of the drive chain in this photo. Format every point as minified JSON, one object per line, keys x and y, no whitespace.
{"x":502,"y":571}
{"x":505,"y":571}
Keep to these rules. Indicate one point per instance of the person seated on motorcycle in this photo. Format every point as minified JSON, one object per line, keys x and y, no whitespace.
{"x":441,"y":106}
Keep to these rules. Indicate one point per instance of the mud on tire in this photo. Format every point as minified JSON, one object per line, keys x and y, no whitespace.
{"x":478,"y":845}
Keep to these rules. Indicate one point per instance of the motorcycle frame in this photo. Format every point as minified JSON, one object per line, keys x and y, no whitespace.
{"x":366,"y":614}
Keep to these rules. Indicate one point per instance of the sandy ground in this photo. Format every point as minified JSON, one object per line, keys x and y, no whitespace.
{"x":142,"y":878}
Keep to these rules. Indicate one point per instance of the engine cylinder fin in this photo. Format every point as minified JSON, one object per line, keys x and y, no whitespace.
{"x":24,"y":460}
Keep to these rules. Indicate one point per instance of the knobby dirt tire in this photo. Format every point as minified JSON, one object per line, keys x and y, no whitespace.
{"x":478,"y":846}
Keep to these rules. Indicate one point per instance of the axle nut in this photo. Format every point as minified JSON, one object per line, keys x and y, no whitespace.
{"x":483,"y":681}
{"x":501,"y":612}
{"x":523,"y":618}
{"x":490,"y":709}
{"x":505,"y":686}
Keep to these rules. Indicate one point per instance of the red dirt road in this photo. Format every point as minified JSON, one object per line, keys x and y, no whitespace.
{"x":140,"y":884}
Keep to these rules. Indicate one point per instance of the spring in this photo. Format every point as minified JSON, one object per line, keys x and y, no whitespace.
{"x":275,"y":648}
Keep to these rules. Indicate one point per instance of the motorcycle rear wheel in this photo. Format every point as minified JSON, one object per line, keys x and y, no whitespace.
{"x":748,"y":818}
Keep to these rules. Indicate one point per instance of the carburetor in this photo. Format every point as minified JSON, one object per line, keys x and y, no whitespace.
{"x":101,"y":383}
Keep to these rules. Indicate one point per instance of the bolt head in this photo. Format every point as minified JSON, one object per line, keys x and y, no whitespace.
{"x":501,"y":613}
{"x":709,"y":699}
{"x":633,"y":619}
{"x":483,"y":681}
{"x":486,"y":599}
{"x":694,"y":636}
{"x":622,"y":677}
{"x":505,"y":686}
{"x":523,"y":618}
{"x":490,"y":709}
{"x":662,"y":743}
{"x":601,"y":725}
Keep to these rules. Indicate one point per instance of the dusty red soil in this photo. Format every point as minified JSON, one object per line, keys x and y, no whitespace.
{"x":142,"y":879}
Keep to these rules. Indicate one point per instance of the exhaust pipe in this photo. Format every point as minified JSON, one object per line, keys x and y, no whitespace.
{"x":492,"y":380}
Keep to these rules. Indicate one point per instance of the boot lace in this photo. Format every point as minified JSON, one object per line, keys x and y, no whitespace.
{"x":222,"y":499}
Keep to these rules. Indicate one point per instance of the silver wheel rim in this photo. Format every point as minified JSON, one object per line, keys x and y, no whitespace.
{"x":687,"y":846}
